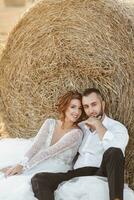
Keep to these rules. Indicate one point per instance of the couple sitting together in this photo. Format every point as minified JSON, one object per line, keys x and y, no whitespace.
{"x":97,"y":144}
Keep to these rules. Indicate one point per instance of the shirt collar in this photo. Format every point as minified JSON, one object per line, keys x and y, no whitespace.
{"x":105,"y":120}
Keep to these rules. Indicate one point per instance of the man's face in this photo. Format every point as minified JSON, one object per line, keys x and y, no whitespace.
{"x":93,"y":105}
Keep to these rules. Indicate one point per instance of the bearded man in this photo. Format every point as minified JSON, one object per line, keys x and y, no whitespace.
{"x":101,"y":152}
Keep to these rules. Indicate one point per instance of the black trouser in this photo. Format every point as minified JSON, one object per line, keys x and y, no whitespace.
{"x":112,"y":166}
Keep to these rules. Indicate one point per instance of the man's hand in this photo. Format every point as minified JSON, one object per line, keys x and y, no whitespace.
{"x":95,"y":124}
{"x":10,"y":171}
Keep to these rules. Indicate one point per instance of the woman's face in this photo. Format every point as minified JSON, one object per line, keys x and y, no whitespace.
{"x":74,"y":110}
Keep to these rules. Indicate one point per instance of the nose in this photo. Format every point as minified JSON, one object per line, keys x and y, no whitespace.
{"x":77,"y":111}
{"x":89,"y":111}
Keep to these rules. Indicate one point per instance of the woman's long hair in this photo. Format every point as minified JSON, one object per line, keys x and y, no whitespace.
{"x":64,"y":102}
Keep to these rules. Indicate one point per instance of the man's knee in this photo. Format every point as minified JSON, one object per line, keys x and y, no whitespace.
{"x":34,"y":178}
{"x":47,"y":180}
{"x":41,"y":178}
{"x":114,"y":152}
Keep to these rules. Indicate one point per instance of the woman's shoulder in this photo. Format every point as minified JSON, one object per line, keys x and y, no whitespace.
{"x":78,"y":130}
{"x":50,"y":119}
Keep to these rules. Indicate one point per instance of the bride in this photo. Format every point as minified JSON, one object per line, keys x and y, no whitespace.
{"x":52,"y":150}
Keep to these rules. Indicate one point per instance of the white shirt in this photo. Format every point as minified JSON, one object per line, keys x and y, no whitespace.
{"x":92,"y":148}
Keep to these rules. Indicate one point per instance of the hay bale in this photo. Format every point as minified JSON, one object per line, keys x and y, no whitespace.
{"x":3,"y":132}
{"x":1,"y":49}
{"x":67,"y":44}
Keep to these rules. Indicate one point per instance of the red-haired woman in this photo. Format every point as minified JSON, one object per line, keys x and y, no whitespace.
{"x":53,"y":149}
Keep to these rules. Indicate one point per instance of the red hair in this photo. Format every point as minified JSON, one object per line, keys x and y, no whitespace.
{"x":65,"y":100}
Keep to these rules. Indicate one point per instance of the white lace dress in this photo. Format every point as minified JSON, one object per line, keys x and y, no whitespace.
{"x":41,"y":157}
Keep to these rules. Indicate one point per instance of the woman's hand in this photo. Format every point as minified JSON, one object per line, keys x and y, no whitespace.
{"x":13,"y":170}
{"x":3,"y":170}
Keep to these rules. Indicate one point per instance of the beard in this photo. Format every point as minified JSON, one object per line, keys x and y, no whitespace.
{"x":101,"y":113}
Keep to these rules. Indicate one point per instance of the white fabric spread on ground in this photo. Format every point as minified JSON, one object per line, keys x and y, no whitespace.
{"x":19,"y":187}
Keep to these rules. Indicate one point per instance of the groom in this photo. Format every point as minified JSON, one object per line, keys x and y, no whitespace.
{"x":101,"y":152}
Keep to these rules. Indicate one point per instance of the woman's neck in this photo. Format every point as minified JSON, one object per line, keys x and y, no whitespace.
{"x":66,"y":124}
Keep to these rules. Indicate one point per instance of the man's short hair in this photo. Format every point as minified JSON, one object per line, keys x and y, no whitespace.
{"x":88,"y":91}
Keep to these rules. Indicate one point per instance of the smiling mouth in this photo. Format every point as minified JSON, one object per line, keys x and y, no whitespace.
{"x":75,"y":116}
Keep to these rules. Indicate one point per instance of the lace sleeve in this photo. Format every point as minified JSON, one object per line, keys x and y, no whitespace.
{"x":39,"y":141}
{"x":71,"y":139}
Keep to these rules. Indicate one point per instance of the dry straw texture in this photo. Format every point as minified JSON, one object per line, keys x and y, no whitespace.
{"x":14,"y":2}
{"x":1,"y":49}
{"x":60,"y":45}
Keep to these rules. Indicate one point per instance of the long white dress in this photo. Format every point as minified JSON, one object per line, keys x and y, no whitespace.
{"x":37,"y":156}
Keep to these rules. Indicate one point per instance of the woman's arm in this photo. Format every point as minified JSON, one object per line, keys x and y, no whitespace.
{"x":39,"y":140}
{"x":71,"y":139}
